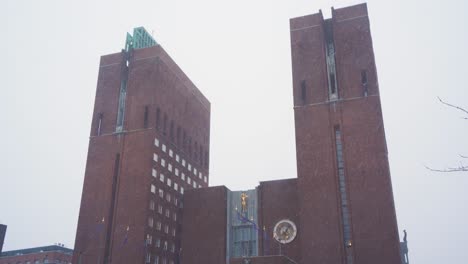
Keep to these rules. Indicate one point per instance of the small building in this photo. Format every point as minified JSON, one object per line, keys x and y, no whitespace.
{"x":54,"y":254}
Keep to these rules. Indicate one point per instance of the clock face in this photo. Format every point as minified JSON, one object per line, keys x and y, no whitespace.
{"x":285,"y":231}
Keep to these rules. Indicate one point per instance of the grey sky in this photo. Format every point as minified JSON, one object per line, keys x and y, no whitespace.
{"x":238,"y":54}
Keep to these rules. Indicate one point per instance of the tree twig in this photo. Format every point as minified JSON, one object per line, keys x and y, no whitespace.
{"x":454,"y":106}
{"x":458,"y":169}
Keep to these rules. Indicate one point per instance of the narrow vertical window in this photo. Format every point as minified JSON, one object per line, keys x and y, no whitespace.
{"x":345,"y":212}
{"x":178,"y":137}
{"x":158,"y":118}
{"x":303,"y":92}
{"x":190,"y":147}
{"x":364,"y":82}
{"x":121,"y":108}
{"x":330,"y":57}
{"x":165,"y":124}
{"x":145,"y":118}
{"x":99,"y":127}
{"x":184,"y":140}
{"x":171,"y":131}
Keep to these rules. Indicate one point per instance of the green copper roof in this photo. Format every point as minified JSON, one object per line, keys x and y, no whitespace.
{"x":140,"y":39}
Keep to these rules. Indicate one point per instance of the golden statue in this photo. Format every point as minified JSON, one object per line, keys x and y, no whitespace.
{"x":244,"y":197}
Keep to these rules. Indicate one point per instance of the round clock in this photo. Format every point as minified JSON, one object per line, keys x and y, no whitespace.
{"x":285,"y":231}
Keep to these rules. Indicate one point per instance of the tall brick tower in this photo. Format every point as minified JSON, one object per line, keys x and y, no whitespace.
{"x":149,"y":142}
{"x":347,"y":213}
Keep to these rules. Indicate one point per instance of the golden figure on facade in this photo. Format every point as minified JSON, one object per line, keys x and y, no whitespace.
{"x":244,"y":197}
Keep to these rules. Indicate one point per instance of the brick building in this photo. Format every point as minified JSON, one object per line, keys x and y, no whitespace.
{"x":149,"y":142}
{"x":340,"y":207}
{"x":149,"y":154}
{"x":55,"y":254}
{"x":3,"y":229}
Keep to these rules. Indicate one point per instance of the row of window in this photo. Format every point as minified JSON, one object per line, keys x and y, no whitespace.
{"x":158,"y":226}
{"x":158,"y":244}
{"x":167,"y":213}
{"x":168,"y":195}
{"x":179,"y":137}
{"x":157,"y":259}
{"x":177,"y":159}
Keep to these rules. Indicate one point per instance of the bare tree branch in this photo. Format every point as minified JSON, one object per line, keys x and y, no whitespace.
{"x":458,"y":169}
{"x":461,"y":156}
{"x":454,"y":106}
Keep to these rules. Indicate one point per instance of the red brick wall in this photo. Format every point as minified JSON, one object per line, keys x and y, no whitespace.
{"x":204,"y":226}
{"x":373,"y":219}
{"x":154,"y":81}
{"x":278,"y":201}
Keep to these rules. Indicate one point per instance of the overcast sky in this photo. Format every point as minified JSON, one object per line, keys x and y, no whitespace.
{"x":238,"y":54}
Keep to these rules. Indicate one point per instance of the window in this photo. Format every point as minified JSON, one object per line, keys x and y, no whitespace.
{"x":189,"y":167}
{"x":100,"y":116}
{"x":165,"y":245}
{"x":168,"y":213}
{"x":150,"y":222}
{"x":176,"y":172}
{"x":163,"y":147}
{"x":163,"y":163}
{"x":177,"y":158}
{"x":171,"y":154}
{"x":149,"y":239}
{"x":199,"y":186}
{"x":171,"y":131}
{"x":178,"y":136}
{"x":151,"y":205}
{"x":169,"y":167}
{"x":169,"y":182}
{"x":156,"y":142}
{"x":155,"y":157}
{"x":183,"y":176}
{"x":173,"y":232}
{"x":330,"y":59}
{"x":303,"y":91}
{"x":153,"y":188}
{"x":173,"y":248}
{"x":189,"y":181}
{"x":184,"y":140}
{"x":164,"y":124}
{"x":160,"y":209}
{"x":153,"y":173}
{"x":205,"y":179}
{"x":195,"y":171}
{"x":148,"y":258}
{"x":176,"y":201}
{"x":181,"y":190}
{"x":194,"y":184}
{"x":157,"y":242}
{"x":145,"y":118}
{"x":176,"y":187}
{"x":168,"y":197}
{"x":156,"y":259}
{"x":183,"y":162}
{"x":161,"y":177}
{"x":174,"y":216}
{"x":158,"y":118}
{"x":166,"y":229}
{"x":346,"y":218}
{"x":364,"y":81}
{"x":158,"y":226}
{"x":200,"y":175}
{"x":161,"y":193}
